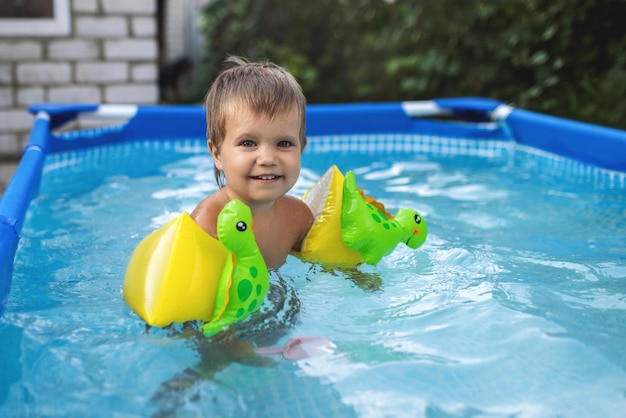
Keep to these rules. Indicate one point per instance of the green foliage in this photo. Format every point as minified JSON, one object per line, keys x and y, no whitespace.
{"x":562,"y":57}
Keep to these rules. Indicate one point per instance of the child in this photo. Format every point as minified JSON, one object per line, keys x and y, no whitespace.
{"x":256,"y":130}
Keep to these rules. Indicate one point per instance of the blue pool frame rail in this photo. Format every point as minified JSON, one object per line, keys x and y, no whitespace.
{"x":478,"y":118}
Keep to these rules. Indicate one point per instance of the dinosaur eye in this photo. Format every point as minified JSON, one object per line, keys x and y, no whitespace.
{"x":241,"y":226}
{"x":418,"y":219}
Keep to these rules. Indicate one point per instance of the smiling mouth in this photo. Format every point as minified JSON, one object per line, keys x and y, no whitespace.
{"x":266,"y":177}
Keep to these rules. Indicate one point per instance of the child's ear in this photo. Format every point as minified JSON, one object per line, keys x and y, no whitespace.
{"x":215,"y":152}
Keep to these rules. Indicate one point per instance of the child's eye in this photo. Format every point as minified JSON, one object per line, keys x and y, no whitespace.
{"x":285,"y":144}
{"x":247,"y":143}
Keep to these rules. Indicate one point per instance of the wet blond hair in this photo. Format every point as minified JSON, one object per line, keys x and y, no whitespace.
{"x":262,"y":87}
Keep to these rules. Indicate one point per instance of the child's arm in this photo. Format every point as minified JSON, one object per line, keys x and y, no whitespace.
{"x":305,"y":219}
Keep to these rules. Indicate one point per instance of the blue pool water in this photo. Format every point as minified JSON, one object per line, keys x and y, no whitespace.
{"x":515,"y":306}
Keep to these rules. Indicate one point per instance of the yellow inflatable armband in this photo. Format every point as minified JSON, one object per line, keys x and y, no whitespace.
{"x":173,"y":274}
{"x":180,"y":273}
{"x":324,"y":243}
{"x":351,"y":228}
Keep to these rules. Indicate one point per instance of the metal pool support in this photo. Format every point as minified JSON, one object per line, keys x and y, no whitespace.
{"x":14,"y":204}
{"x":470,"y":118}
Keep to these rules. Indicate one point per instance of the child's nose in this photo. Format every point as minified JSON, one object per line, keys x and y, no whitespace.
{"x":266,"y":156}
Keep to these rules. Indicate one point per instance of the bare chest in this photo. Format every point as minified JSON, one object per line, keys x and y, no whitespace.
{"x":275,"y":240}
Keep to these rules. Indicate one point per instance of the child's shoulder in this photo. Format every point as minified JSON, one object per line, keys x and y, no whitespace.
{"x":298,"y":216}
{"x":294,"y":208}
{"x":293,"y":203}
{"x":214,"y":202}
{"x":205,"y":214}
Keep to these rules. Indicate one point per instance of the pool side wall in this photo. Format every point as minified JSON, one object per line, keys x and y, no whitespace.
{"x":597,"y":145}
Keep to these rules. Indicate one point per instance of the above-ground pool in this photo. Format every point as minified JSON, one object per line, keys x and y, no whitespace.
{"x":514,"y":306}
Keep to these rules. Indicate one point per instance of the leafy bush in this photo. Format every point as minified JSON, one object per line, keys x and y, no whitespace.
{"x":562,"y":57}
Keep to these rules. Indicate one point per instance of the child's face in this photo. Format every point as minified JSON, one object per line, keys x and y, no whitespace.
{"x":260,"y":158}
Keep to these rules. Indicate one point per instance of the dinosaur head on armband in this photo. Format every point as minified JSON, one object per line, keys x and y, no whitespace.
{"x":234,"y":228}
{"x":244,"y":290}
{"x":414,"y":227}
{"x":250,"y":275}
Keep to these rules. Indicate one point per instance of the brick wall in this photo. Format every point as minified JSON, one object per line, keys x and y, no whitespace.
{"x":110,"y":56}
